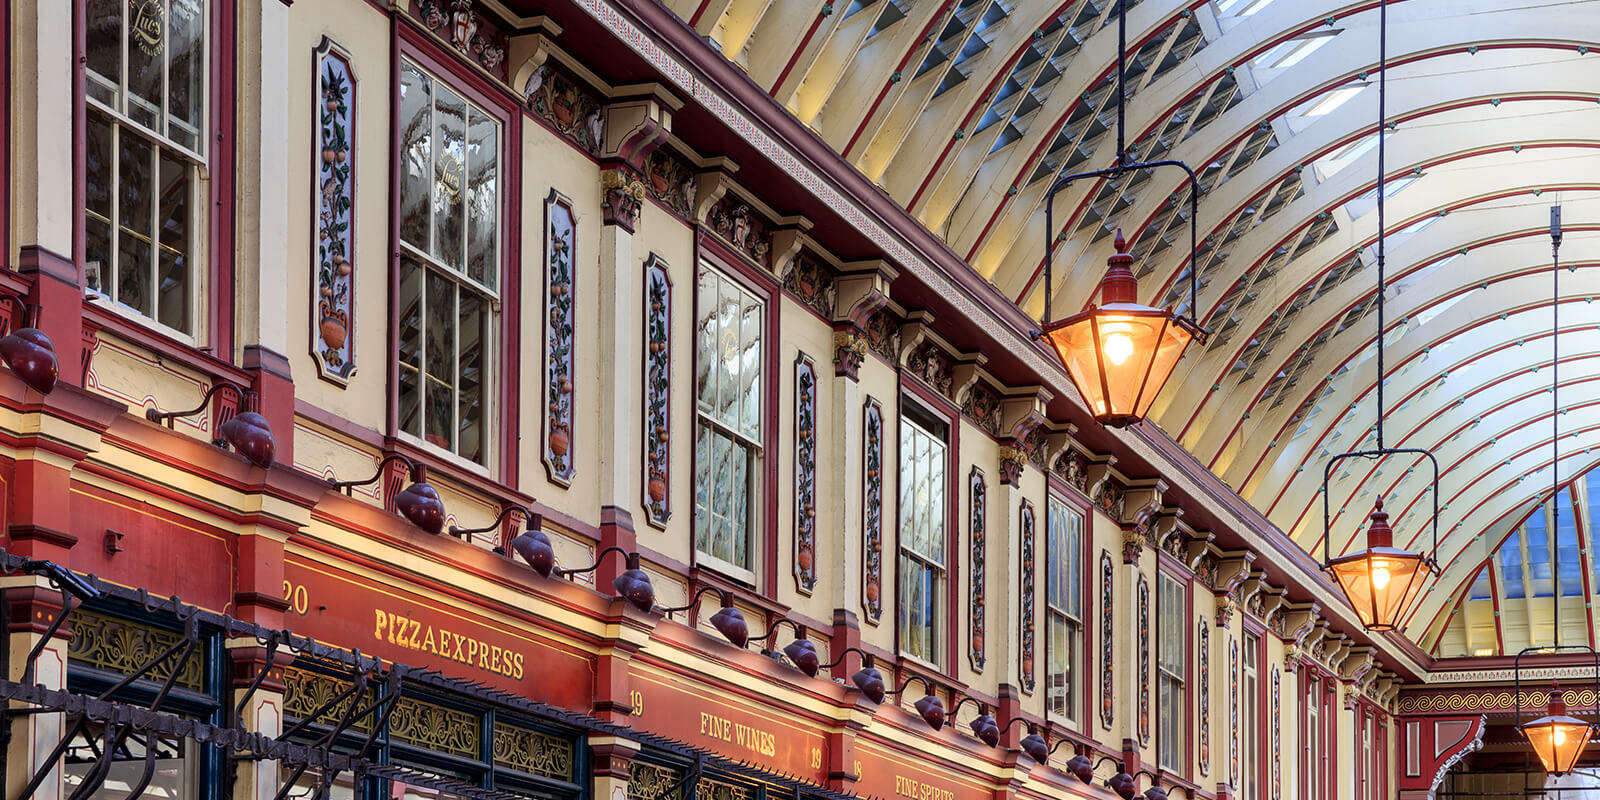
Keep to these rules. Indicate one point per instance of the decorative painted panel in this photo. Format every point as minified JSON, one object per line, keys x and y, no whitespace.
{"x":811,"y":283}
{"x":533,"y":752}
{"x":671,"y":181}
{"x":647,"y":781}
{"x":566,"y":105}
{"x":977,"y":523}
{"x":982,"y":406}
{"x":1277,"y":738}
{"x":436,"y":727}
{"x":657,"y":392}
{"x":476,"y":34}
{"x":333,"y":343}
{"x":1026,"y":557}
{"x":1205,"y":697}
{"x":805,"y":474}
{"x":741,"y":226}
{"x":933,"y":366}
{"x":561,"y":238}
{"x":1108,"y":638}
{"x":1143,"y":633}
{"x":1233,"y":711}
{"x":872,"y":511}
{"x":120,"y":646}
{"x":883,"y":335}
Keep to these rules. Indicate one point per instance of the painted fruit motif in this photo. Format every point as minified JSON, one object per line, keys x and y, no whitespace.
{"x":334,"y":332}
{"x":560,"y":441}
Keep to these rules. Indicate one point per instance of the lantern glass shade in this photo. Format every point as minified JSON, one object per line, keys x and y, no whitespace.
{"x":1381,"y":582}
{"x":1119,"y":356}
{"x":1558,"y":740}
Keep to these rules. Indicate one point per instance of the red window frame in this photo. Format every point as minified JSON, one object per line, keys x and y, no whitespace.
{"x":1078,"y":504}
{"x":413,"y":43}
{"x":735,"y":267}
{"x":941,"y":408}
{"x":1172,"y":568}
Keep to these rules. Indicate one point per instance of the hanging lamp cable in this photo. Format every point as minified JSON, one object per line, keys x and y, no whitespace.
{"x":1555,"y":406}
{"x":1383,"y":63}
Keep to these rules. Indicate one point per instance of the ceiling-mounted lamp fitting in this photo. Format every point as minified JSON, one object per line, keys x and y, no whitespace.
{"x":1381,"y":581}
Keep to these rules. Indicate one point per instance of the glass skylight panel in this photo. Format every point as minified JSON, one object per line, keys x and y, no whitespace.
{"x":1511,"y":566}
{"x":1541,"y":582}
{"x":1567,"y":546}
{"x":1324,"y":105}
{"x":1289,"y":53}
{"x":1480,"y":586}
{"x":1345,"y":156}
{"x":1240,"y":8}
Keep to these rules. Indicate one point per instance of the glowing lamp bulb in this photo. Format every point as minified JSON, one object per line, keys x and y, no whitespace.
{"x":1558,"y":737}
{"x":1380,"y":575}
{"x":1118,"y":347}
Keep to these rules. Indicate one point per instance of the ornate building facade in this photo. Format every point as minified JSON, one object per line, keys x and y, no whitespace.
{"x":377,"y":323}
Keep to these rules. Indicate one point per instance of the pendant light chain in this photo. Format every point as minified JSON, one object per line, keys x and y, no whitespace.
{"x":1555,"y":403}
{"x":1383,"y":61}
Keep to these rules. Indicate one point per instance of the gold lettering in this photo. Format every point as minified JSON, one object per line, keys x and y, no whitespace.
{"x":382,"y":622}
{"x":518,"y":676}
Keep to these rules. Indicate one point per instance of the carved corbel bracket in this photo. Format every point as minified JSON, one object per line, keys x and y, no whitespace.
{"x":1356,"y":663}
{"x":1335,"y":646}
{"x":1197,"y":548}
{"x":917,"y":327}
{"x":1097,"y":470}
{"x":788,"y":236}
{"x":1232,"y":571}
{"x":634,"y":128}
{"x":964,"y":375}
{"x":860,"y":293}
{"x":1252,"y":585}
{"x":530,"y":47}
{"x":1141,"y":500}
{"x":1057,"y":441}
{"x":711,"y":185}
{"x":1316,"y":637}
{"x":1167,"y":524}
{"x":1021,"y":413}
{"x":1298,"y":620}
{"x":1273,"y":599}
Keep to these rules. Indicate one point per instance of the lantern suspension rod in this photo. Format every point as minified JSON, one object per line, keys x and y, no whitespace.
{"x":1383,"y":72}
{"x":1555,"y":404}
{"x":1120,"y":166}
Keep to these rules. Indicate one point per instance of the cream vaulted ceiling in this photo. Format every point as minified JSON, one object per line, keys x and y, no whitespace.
{"x":964,"y":110}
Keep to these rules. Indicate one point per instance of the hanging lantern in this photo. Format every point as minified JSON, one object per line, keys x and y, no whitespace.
{"x":1120,"y":353}
{"x":1558,"y":739}
{"x":1382,"y":580}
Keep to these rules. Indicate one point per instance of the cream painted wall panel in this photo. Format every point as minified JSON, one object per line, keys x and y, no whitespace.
{"x":548,"y":162}
{"x":667,"y":236}
{"x":978,"y":449}
{"x":880,"y":381}
{"x":801,"y":331}
{"x":364,"y":32}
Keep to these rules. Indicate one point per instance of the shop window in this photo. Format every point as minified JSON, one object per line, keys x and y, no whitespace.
{"x":1064,"y":609}
{"x":730,"y":361}
{"x":145,"y":153}
{"x":1171,"y":692}
{"x":449,"y":265}
{"x":1250,"y":714}
{"x":1313,"y":749}
{"x":108,"y":645}
{"x":441,"y":741}
{"x":924,"y":534}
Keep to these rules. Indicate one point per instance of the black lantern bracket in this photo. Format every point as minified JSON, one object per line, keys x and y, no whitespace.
{"x":1378,"y":454}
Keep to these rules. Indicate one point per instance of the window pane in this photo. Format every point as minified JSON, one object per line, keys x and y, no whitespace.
{"x":104,"y":38}
{"x":185,"y":72}
{"x":483,"y":151}
{"x":174,"y":248}
{"x":706,"y":370}
{"x":449,"y":187}
{"x":750,"y":365}
{"x":410,"y":391}
{"x":147,"y":51}
{"x":470,"y":406}
{"x":416,"y":156}
{"x":134,"y":184}
{"x":97,"y":200}
{"x":728,"y":387}
{"x":439,"y":367}
{"x":728,"y":384}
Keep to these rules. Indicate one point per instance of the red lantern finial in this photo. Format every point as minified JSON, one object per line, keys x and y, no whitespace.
{"x":1119,"y":285}
{"x":1379,"y":534}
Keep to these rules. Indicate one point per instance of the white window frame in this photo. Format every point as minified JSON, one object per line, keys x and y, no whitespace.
{"x":935,"y":514}
{"x":752,"y":442}
{"x":1068,"y":614}
{"x":461,"y":282}
{"x":198,"y":164}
